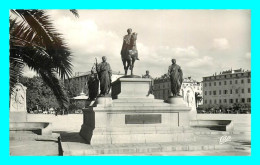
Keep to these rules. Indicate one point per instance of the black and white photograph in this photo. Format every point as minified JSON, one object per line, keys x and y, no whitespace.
{"x":127,"y":82}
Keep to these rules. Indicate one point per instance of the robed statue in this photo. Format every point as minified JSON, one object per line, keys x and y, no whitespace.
{"x":104,"y":74}
{"x":129,"y":51}
{"x":176,"y":77}
{"x":93,"y":84}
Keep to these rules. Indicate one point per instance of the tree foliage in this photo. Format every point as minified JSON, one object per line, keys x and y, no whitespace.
{"x":35,"y":42}
{"x":39,"y":94}
{"x":225,"y":108}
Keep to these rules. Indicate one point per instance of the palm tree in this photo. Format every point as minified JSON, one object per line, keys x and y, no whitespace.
{"x":34,"y":42}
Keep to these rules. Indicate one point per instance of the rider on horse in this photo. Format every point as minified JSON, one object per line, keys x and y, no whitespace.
{"x":129,"y":51}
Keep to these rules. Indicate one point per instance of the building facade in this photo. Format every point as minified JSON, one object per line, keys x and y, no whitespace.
{"x":228,"y":87}
{"x":81,"y":79}
{"x":190,"y":87}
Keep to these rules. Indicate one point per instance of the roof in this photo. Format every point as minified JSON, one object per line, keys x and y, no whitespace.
{"x":82,"y":96}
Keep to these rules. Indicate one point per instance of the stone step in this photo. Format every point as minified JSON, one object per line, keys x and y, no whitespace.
{"x":141,"y":138}
{"x":140,"y":104}
{"x":32,"y":137}
{"x":78,"y":149}
{"x":139,"y":131}
{"x":138,"y":100}
{"x":144,"y":128}
{"x":170,"y":108}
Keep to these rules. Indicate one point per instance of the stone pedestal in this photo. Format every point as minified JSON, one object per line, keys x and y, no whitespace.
{"x":104,"y":101}
{"x":131,"y":88}
{"x":132,"y":117}
{"x":18,"y":111}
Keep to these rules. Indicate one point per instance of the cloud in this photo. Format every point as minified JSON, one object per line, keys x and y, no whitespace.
{"x":248,"y":55}
{"x":200,"y":62}
{"x":87,"y":42}
{"x":98,"y":33}
{"x":220,"y":44}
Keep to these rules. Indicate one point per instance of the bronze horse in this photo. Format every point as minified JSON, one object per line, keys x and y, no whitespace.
{"x":129,"y":51}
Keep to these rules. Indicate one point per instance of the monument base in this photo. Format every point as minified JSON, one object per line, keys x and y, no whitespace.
{"x":104,"y":101}
{"x":130,"y":76}
{"x":177,"y":100}
{"x":133,"y":117}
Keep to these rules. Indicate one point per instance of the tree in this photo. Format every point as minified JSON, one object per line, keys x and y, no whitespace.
{"x":72,"y":88}
{"x":34,"y":42}
{"x":39,"y":94}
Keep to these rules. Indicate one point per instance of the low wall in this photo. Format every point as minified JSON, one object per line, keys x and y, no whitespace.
{"x":236,"y":118}
{"x":71,"y":122}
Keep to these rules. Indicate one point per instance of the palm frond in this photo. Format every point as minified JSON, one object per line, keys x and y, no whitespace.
{"x":37,"y":28}
{"x":51,"y":80}
{"x":34,"y":42}
{"x":75,"y":12}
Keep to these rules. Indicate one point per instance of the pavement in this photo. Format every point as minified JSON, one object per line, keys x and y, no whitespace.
{"x":67,"y":127}
{"x":206,"y":144}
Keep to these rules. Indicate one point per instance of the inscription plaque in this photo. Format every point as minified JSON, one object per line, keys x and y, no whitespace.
{"x":143,"y":119}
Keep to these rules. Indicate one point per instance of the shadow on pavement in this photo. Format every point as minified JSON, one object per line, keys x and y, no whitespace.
{"x":71,"y":137}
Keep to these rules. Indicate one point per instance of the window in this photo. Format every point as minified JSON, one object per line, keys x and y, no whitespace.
{"x":209,"y":101}
{"x":219,"y":101}
{"x":248,"y":80}
{"x":236,"y":91}
{"x":225,"y":82}
{"x":225,"y":91}
{"x":209,"y":92}
{"x":235,"y":81}
{"x":242,"y":81}
{"x":230,"y":82}
{"x":248,"y":100}
{"x":205,"y":101}
{"x":205,"y":84}
{"x":243,"y":100}
{"x":230,"y":91}
{"x":205,"y":92}
{"x":249,"y":90}
{"x":219,"y":83}
{"x":236,"y":100}
{"x":214,"y":92}
{"x":225,"y":100}
{"x":215,"y":101}
{"x":219,"y":92}
{"x":215,"y":83}
{"x":209,"y":84}
{"x":243,"y":90}
{"x":231,"y":101}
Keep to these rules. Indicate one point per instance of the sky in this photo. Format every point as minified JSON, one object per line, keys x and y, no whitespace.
{"x":203,"y":42}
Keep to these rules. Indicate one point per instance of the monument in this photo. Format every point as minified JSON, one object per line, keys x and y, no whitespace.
{"x":104,"y":75}
{"x":189,"y":98}
{"x":18,"y":111}
{"x":176,"y":77}
{"x":129,"y":53}
{"x":130,"y":116}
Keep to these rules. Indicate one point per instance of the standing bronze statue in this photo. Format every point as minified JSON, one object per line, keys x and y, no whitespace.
{"x":93,"y":84}
{"x":104,"y":74}
{"x":129,"y":51}
{"x":176,"y":77}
